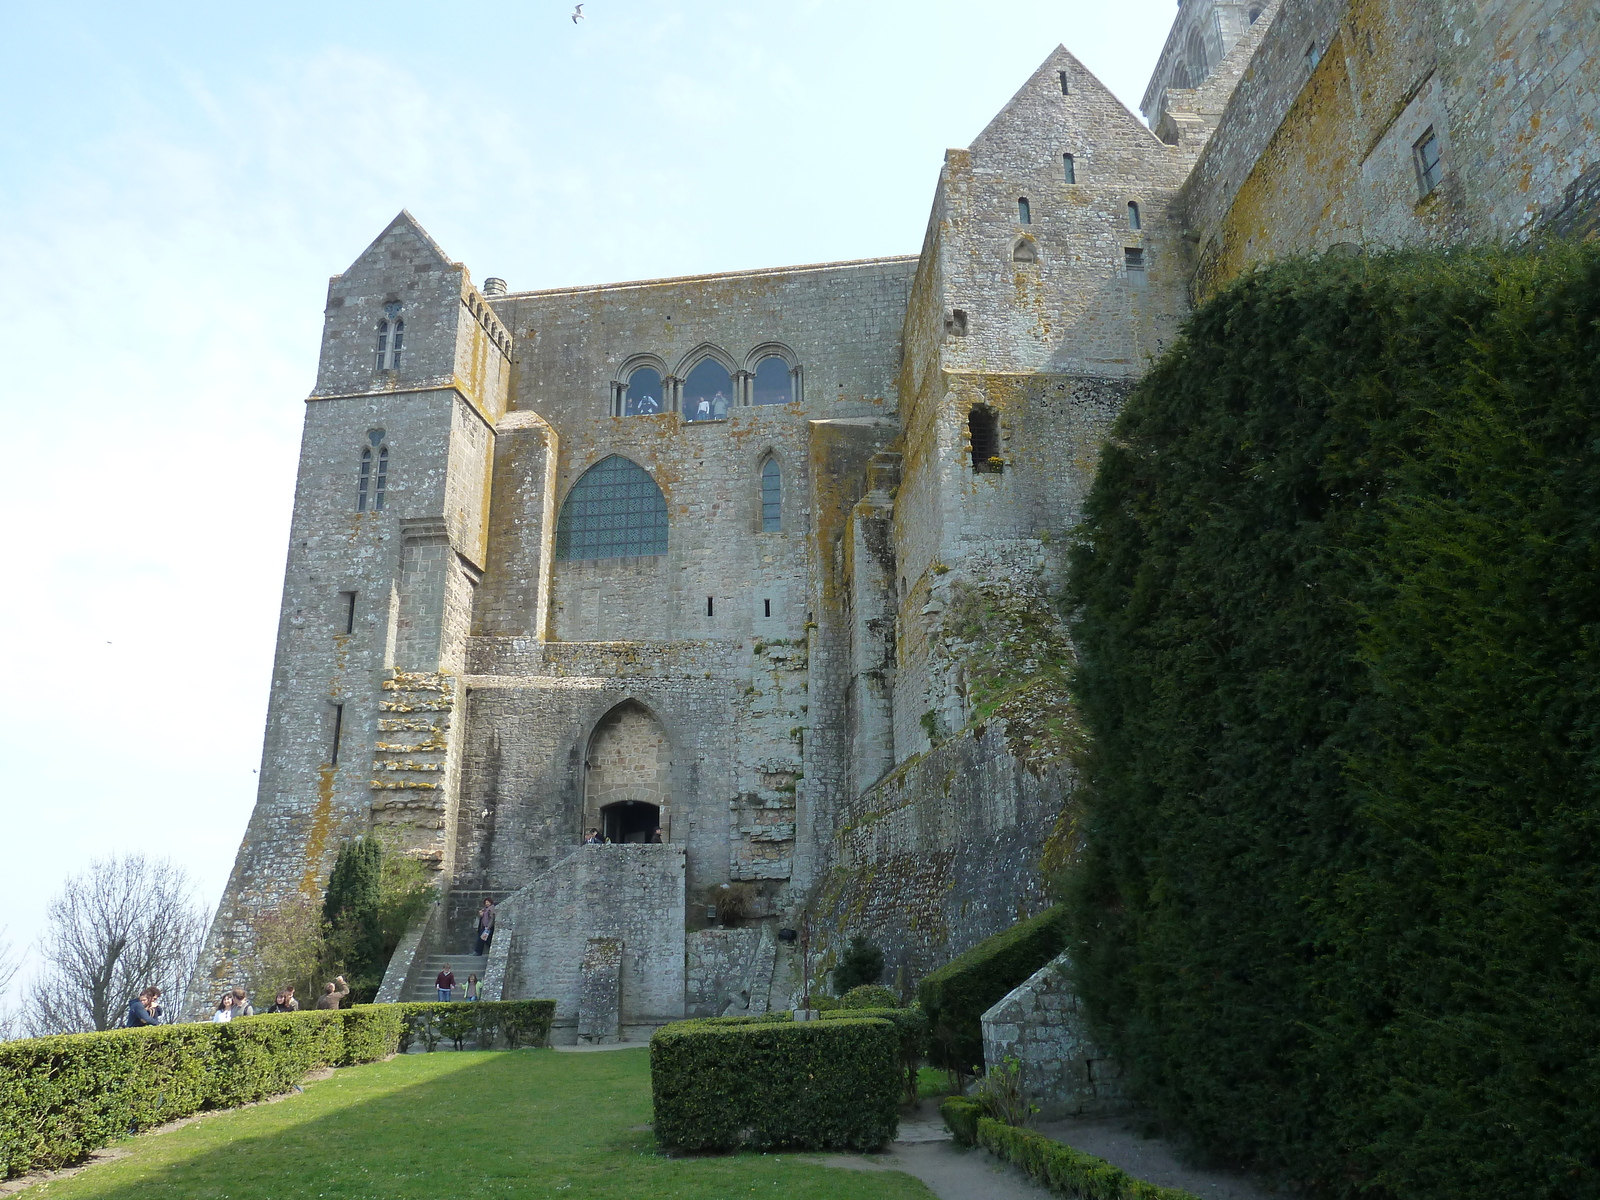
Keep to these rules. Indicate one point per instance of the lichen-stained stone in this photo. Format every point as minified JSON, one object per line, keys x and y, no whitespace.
{"x":840,"y":682}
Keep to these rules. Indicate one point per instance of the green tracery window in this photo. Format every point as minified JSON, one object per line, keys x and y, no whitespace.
{"x":614,"y":511}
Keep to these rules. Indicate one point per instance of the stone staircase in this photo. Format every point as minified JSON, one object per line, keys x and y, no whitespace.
{"x":462,"y":964}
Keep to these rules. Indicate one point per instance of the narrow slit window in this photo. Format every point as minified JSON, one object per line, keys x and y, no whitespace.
{"x":766,"y":608}
{"x":1065,"y":90}
{"x":338,"y":731}
{"x":1429,"y":162}
{"x":347,"y":611}
{"x":366,"y":481}
{"x":771,"y":497}
{"x":710,"y":607}
{"x":391,"y":336}
{"x":983,"y":430}
{"x":1133,"y":214}
{"x":380,"y":482}
{"x":1024,"y":213}
{"x":1068,"y":169}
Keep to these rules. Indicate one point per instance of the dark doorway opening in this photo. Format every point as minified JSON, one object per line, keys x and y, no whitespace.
{"x":629,"y":821}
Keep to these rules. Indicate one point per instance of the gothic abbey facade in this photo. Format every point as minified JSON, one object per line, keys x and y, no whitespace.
{"x":752,"y":573}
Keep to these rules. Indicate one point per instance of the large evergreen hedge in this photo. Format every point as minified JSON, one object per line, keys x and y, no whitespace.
{"x":1338,"y":623}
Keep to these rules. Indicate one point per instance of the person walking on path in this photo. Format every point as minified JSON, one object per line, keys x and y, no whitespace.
{"x":331,"y":994}
{"x":143,"y":1009}
{"x":480,"y":944}
{"x":471,"y":988}
{"x":224,"y":1012}
{"x":446,"y":983}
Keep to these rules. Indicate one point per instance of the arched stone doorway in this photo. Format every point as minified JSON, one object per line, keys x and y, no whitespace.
{"x":627,"y":786}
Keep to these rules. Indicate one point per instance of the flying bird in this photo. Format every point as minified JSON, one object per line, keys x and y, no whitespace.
{"x":577,"y":14}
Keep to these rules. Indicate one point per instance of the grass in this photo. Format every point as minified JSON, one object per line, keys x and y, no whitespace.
{"x":480,"y":1125}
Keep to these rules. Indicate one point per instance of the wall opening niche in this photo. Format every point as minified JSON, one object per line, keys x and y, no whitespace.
{"x":627,"y":780}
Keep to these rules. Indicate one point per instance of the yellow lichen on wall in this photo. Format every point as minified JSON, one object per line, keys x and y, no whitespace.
{"x":321,"y":827}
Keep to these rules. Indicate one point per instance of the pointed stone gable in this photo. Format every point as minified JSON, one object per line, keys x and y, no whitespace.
{"x":402,"y":238}
{"x":1088,"y":116}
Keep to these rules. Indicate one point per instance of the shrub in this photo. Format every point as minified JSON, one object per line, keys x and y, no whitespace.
{"x":862,"y":964}
{"x":818,"y":1085}
{"x":64,"y":1097}
{"x":912,"y":1024}
{"x":521,"y":1022}
{"x":869,"y":995}
{"x":1066,"y":1171}
{"x":957,"y":995}
{"x":1338,"y":904}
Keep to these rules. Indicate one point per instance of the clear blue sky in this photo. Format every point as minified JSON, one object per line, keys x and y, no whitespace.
{"x":177,"y":182}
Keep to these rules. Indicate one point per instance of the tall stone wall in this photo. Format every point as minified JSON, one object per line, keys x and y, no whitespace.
{"x":1318,"y":143}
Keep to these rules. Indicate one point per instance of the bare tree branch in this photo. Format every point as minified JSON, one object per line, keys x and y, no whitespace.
{"x":125,"y":924}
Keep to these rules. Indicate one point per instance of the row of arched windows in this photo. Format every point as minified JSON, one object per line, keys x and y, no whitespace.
{"x":708,"y":390}
{"x":374,"y":481}
{"x":616,"y":510}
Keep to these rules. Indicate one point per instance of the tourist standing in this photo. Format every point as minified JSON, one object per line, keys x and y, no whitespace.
{"x":446,"y":983}
{"x":480,"y":944}
{"x":241,"y":1004}
{"x":285,"y":1002}
{"x":224,"y":1012}
{"x":331,"y":995}
{"x":143,"y":1009}
{"x":472,"y":988}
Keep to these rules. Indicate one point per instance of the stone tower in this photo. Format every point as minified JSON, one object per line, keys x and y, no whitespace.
{"x":387,"y":544}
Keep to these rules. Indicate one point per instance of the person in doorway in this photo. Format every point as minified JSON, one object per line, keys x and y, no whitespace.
{"x":285,"y":1002}
{"x":655,"y":837}
{"x":593,"y":839}
{"x":143,"y":1009}
{"x":241,"y":1004}
{"x":471,"y":988}
{"x":480,"y":944}
{"x":224,"y":1012}
{"x":333,"y":993}
{"x":446,"y":983}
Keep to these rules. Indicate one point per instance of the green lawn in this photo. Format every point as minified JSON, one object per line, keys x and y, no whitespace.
{"x":457,"y":1127}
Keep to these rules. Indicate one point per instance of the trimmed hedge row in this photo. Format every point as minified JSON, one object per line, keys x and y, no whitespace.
{"x":731,"y":1083}
{"x":519,"y":1022}
{"x":63,"y":1097}
{"x":957,"y":995}
{"x":1059,"y":1167}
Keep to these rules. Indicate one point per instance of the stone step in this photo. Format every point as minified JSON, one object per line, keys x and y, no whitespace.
{"x":462,"y":964}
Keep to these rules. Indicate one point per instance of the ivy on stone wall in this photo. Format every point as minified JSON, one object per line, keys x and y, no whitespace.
{"x":1338,"y":910}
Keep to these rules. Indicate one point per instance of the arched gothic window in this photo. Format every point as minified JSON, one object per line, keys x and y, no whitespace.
{"x":771,"y":497}
{"x":374,"y":478}
{"x":614,"y":511}
{"x":642,"y":396}
{"x":391,"y":334}
{"x":707,"y":392}
{"x":773,"y":384}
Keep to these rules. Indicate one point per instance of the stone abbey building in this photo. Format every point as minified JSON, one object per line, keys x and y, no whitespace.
{"x":752,"y":573}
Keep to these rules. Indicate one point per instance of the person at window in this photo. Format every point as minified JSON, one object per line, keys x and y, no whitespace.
{"x":703,"y":411}
{"x":593,"y":839}
{"x":646,"y":406}
{"x":655,"y":837}
{"x":143,"y":1009}
{"x":719,"y":407}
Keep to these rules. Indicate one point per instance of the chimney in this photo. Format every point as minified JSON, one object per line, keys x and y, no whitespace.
{"x":494,"y":287}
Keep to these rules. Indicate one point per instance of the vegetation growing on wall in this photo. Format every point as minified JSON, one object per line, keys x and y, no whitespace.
{"x":1339,"y":639}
